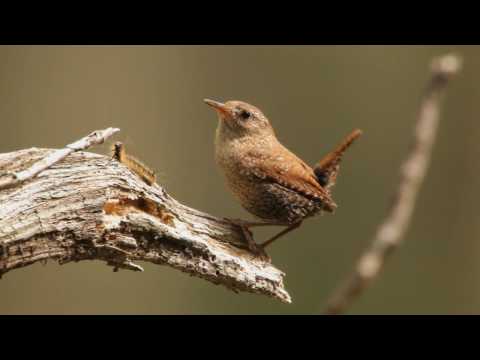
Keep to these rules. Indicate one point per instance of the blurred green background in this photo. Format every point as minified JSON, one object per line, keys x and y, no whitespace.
{"x":313,"y":95}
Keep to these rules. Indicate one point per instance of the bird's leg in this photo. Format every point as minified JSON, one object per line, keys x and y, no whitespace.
{"x":281,"y":233}
{"x":247,"y":234}
{"x":250,"y":224}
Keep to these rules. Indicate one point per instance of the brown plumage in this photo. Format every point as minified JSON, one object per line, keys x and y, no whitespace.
{"x":326,"y":170}
{"x":270,"y":181}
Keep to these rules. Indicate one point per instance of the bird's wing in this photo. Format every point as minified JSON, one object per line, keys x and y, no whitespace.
{"x":288,"y":170}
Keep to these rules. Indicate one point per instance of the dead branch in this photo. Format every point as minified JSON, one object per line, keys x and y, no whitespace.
{"x":97,"y":137}
{"x":70,"y":205}
{"x":412,"y":173}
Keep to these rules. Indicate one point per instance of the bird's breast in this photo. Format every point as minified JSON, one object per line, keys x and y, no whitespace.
{"x":263,"y":198}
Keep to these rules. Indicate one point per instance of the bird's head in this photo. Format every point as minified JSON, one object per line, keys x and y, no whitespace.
{"x":238,"y":119}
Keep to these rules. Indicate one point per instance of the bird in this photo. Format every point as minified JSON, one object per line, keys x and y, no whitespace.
{"x":270,"y":181}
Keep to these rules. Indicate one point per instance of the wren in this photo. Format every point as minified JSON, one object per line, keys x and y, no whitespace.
{"x":271,"y":182}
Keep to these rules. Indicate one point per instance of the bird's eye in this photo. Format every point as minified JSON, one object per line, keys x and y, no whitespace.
{"x":244,"y":114}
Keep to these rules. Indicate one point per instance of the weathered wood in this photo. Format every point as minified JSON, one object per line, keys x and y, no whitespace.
{"x":89,"y":206}
{"x":10,"y":179}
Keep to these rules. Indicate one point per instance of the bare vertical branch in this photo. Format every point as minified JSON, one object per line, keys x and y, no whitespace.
{"x":412,"y":173}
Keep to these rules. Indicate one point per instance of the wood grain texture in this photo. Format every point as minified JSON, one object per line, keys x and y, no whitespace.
{"x":89,"y":206}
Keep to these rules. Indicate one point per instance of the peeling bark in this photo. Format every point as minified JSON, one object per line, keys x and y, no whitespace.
{"x":88,"y":206}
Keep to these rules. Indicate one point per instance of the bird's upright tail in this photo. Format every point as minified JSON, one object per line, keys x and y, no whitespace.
{"x":326,"y":170}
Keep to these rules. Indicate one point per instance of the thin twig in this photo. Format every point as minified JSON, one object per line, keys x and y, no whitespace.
{"x":95,"y":138}
{"x":390,"y":233}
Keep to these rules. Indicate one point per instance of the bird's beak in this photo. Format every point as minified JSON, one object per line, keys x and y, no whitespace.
{"x":219,"y":107}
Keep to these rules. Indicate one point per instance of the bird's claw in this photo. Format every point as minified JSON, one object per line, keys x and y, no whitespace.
{"x":254,"y":248}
